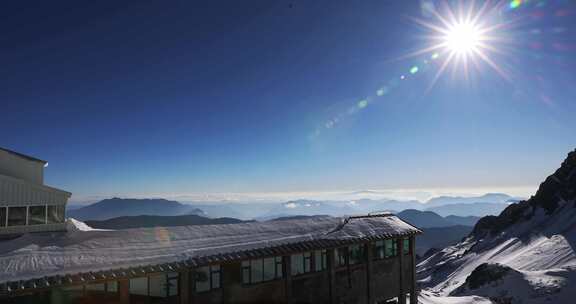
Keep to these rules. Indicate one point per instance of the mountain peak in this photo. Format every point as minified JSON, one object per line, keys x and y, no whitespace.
{"x":560,"y":187}
{"x":115,"y":207}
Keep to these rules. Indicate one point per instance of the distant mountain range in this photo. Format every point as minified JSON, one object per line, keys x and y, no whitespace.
{"x":488,"y":204}
{"x":439,"y":231}
{"x":119,"y":213}
{"x":499,"y":198}
{"x":116,"y":207}
{"x":141,"y":221}
{"x":469,"y":209}
{"x":429,"y":219}
{"x":337,"y":208}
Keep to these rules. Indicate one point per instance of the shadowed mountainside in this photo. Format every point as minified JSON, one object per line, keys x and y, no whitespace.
{"x":141,"y":221}
{"x":558,"y":187}
{"x":116,"y":207}
{"x":527,"y":254}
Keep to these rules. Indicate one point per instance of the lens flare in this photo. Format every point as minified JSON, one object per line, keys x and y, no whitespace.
{"x":465,"y":37}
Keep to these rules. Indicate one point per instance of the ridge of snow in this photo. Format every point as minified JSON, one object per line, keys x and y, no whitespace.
{"x":73,"y":225}
{"x":427,"y":297}
{"x":541,"y":250}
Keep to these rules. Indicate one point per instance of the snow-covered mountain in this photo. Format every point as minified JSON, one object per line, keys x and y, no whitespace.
{"x":524,"y":255}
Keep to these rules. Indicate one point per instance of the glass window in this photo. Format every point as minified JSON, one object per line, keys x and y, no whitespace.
{"x":301,"y":263}
{"x":36,"y":215}
{"x":72,"y":292}
{"x":406,"y":246}
{"x":261,"y":270}
{"x":55,"y":214}
{"x":297,"y":264}
{"x":157,"y":286}
{"x":320,"y":260}
{"x":2,"y":216}
{"x":390,"y":249}
{"x":95,"y":287}
{"x":269,"y":269}
{"x":307,"y":261}
{"x":206,"y":278}
{"x":279,"y":267}
{"x":215,"y":277}
{"x":379,"y":250}
{"x":341,"y":256}
{"x":139,"y":286}
{"x":257,"y":271}
{"x":112,"y":286}
{"x":356,"y":254}
{"x":202,"y":279}
{"x":246,"y":272}
{"x":16,"y":216}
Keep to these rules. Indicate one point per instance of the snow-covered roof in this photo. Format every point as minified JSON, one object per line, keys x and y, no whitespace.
{"x":46,"y":259}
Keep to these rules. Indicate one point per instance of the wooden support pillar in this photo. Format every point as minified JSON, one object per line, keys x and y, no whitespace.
{"x":413,"y":288}
{"x":369,"y":260}
{"x":124,"y":290}
{"x":192,"y":284}
{"x":400,"y":250}
{"x":331,"y":263}
{"x":184,"y":286}
{"x":288,"y":278}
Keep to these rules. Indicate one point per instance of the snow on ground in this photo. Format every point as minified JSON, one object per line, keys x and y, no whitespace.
{"x":531,"y":287}
{"x":73,"y":225}
{"x":82,"y":249}
{"x":540,"y":251}
{"x":430,"y":298}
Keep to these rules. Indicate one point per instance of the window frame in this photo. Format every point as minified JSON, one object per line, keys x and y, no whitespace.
{"x":306,"y":266}
{"x":11,"y":208}
{"x":361,"y":254}
{"x":393,"y":248}
{"x":212,"y":270}
{"x":60,"y":211}
{"x":247,"y":266}
{"x":406,"y":246}
{"x":29,"y":215}
{"x":379,"y":250}
{"x":3,"y":216}
{"x":320,"y":260}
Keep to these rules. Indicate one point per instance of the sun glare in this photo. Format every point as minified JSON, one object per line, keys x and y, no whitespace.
{"x":463,"y":38}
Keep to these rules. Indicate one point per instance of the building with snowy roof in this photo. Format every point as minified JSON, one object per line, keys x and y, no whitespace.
{"x":362,"y":259}
{"x":26,"y":204}
{"x":358,"y":259}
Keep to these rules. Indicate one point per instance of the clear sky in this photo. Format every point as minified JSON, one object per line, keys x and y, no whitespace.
{"x":157,"y":97}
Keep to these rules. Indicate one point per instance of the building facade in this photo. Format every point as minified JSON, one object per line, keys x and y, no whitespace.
{"x":332,"y":261}
{"x":26,"y":204}
{"x":361,"y":259}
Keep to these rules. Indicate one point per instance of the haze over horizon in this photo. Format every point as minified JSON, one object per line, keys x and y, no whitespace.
{"x":278,"y":98}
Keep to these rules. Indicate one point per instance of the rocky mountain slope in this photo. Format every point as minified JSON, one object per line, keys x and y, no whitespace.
{"x":524,"y":255}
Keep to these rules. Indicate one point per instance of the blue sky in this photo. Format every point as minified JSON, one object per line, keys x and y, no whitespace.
{"x":151,"y":97}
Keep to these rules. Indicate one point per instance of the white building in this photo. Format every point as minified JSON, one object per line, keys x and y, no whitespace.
{"x":26,"y":204}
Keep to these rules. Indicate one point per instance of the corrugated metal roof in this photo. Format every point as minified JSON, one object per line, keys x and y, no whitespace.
{"x":76,"y":255}
{"x":28,"y":157}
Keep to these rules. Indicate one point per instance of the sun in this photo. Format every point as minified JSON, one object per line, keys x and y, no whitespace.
{"x":463,"y":38}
